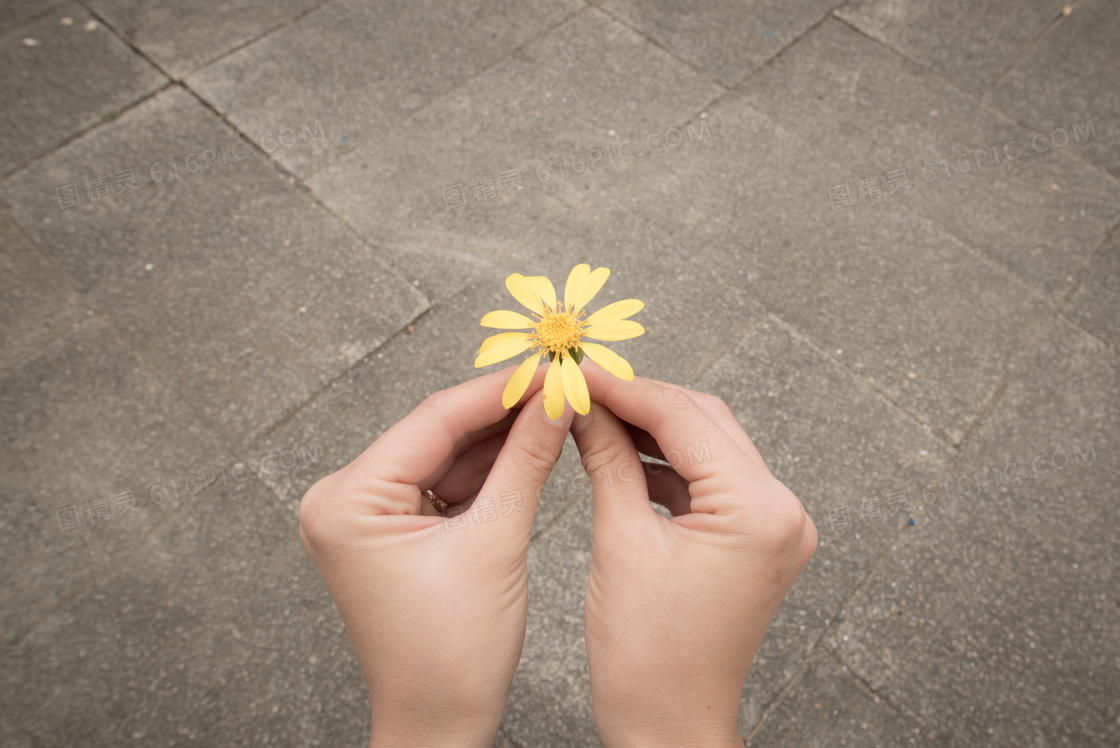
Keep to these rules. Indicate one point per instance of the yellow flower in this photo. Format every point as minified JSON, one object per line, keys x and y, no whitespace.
{"x":559,"y":330}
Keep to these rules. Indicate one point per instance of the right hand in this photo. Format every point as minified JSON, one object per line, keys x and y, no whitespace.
{"x":676,"y":609}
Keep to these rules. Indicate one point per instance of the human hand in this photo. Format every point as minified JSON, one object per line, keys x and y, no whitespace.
{"x":676,"y":609}
{"x":437,"y":617}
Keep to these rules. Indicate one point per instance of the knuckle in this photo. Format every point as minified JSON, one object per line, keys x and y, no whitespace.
{"x":783,"y":526}
{"x":678,"y":400}
{"x":317,"y":511}
{"x":535,"y":458}
{"x":715,"y":407}
{"x":597,"y":452}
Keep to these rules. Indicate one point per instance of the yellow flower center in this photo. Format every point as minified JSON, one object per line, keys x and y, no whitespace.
{"x":559,"y":331}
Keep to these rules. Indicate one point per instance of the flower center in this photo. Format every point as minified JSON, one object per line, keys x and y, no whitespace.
{"x":559,"y":331}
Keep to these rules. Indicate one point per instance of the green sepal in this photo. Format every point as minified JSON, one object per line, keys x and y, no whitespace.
{"x":576,"y":354}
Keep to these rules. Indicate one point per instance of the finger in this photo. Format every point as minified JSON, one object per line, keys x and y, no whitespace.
{"x":668,"y":489}
{"x":676,"y":423}
{"x":417,"y":450}
{"x":718,"y":411}
{"x":607,"y":452}
{"x":507,"y":502}
{"x":467,"y":474}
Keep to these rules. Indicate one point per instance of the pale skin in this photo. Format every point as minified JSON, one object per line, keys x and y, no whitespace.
{"x":675,"y":608}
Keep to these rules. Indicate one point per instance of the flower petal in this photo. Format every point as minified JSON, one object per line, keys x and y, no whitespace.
{"x":524,"y":292}
{"x":591,"y":287}
{"x":544,"y":289}
{"x":500,"y":347}
{"x":620,"y":330}
{"x":519,"y":382}
{"x":609,"y":360}
{"x":553,"y":391}
{"x":575,"y":386}
{"x":616,"y":311}
{"x":503,"y":320}
{"x":576,"y":279}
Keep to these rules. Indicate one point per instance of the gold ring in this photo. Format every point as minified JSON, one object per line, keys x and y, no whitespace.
{"x":440,"y":505}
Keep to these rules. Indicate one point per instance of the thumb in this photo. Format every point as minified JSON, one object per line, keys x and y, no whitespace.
{"x":614,"y":466}
{"x":507,"y":502}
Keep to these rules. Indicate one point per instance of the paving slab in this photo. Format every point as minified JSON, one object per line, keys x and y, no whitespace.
{"x":829,"y":707}
{"x":1066,"y":77}
{"x":355,"y":66}
{"x":15,"y":13}
{"x":1096,"y":304}
{"x":85,"y":425}
{"x":118,"y":663}
{"x":182,"y":37}
{"x":243,"y":294}
{"x":727,"y":40}
{"x":858,"y":470}
{"x":997,"y":620}
{"x":38,"y":303}
{"x":968,"y":44}
{"x":589,"y":84}
{"x":1042,"y":214}
{"x":930,"y":322}
{"x":69,"y":80}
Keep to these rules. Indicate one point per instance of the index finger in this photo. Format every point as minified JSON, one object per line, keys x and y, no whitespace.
{"x":675,"y":421}
{"x":415,"y":447}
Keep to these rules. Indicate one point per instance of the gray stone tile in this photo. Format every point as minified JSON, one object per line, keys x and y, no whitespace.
{"x":1042,"y":215}
{"x":1067,"y":77}
{"x":83,"y":421}
{"x":835,"y":443}
{"x":1096,"y":304}
{"x":243,"y":294}
{"x":828,"y":707}
{"x":969,"y":44}
{"x":69,"y":81}
{"x":355,"y":66}
{"x":38,"y":303}
{"x":590,"y":83}
{"x":996,"y":620}
{"x":15,"y":13}
{"x":182,"y":37}
{"x":727,"y":40}
{"x":550,"y":699}
{"x":246,"y":648}
{"x":887,"y":289}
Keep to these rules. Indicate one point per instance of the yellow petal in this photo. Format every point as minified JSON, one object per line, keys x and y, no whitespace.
{"x":544,"y":289}
{"x":519,"y":382}
{"x":575,"y":386}
{"x":591,"y":287}
{"x":609,"y":360}
{"x":500,"y":347}
{"x":616,"y":311}
{"x":620,"y":330}
{"x":553,"y":391}
{"x":504,"y":320}
{"x":524,"y":292}
{"x":576,"y":279}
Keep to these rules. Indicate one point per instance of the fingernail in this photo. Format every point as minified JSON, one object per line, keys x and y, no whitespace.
{"x":564,"y":422}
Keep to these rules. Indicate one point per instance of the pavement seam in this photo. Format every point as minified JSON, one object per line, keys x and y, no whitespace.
{"x":874,"y":386}
{"x":703,"y":73}
{"x":986,"y":89}
{"x":106,"y":120}
{"x":741,"y":85}
{"x":482,"y":71}
{"x":207,"y":63}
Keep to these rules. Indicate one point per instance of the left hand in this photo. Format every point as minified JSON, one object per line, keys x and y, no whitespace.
{"x":436,"y":607}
